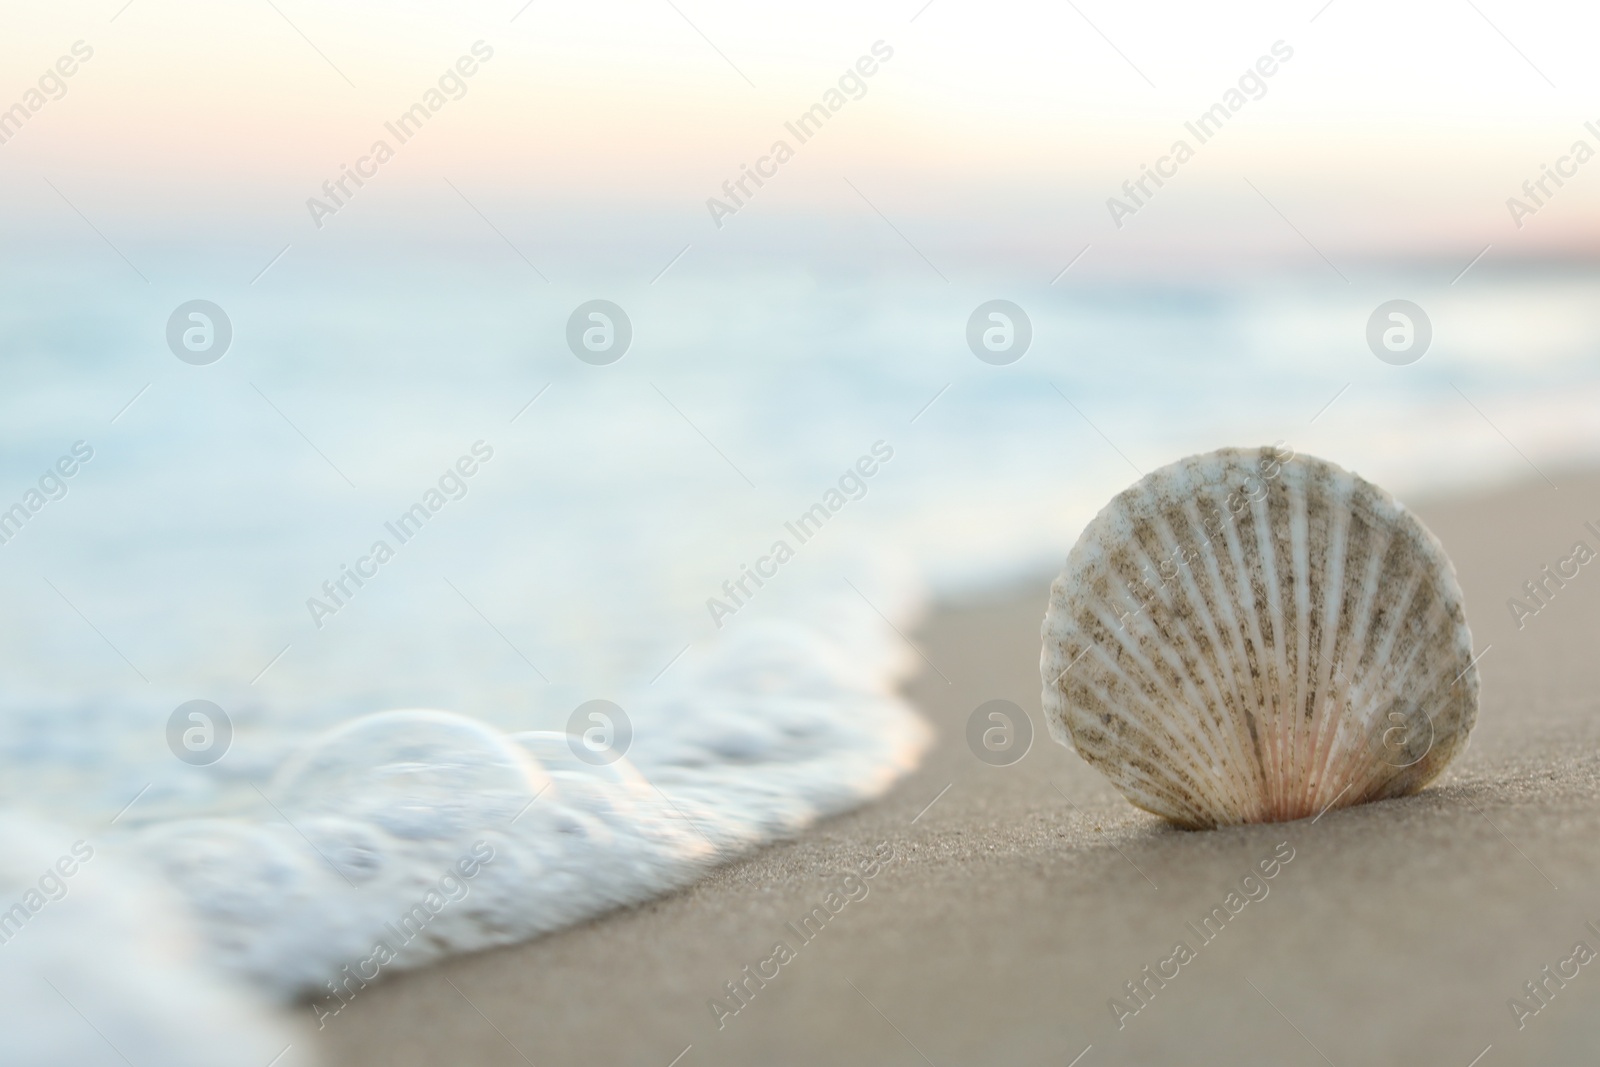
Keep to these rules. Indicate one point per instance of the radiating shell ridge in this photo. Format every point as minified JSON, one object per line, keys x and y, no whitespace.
{"x":1254,"y":636}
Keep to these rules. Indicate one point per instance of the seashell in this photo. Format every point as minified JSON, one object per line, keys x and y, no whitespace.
{"x":1253,"y":636}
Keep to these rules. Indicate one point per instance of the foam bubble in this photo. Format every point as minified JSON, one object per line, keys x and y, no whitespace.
{"x":419,"y":774}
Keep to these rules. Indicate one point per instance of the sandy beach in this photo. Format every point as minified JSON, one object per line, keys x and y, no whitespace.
{"x":1009,"y":905}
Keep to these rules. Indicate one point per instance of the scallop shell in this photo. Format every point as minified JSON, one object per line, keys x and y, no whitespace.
{"x":1253,"y":636}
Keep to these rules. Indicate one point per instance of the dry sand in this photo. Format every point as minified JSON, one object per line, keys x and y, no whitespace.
{"x":1020,"y":902}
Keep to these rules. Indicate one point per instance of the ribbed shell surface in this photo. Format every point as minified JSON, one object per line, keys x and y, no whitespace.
{"x":1252,"y":636}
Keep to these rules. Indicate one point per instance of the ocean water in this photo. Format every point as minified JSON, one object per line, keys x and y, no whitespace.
{"x":555,"y":689}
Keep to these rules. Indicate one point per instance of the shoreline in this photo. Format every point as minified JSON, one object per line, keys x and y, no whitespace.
{"x":1023,"y":901}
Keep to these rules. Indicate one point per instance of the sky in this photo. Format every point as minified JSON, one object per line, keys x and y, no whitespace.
{"x":1002,"y":128}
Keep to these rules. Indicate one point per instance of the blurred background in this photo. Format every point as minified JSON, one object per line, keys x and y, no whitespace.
{"x":379,"y":331}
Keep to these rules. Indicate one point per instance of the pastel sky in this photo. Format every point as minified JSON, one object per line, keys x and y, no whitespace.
{"x":1394,"y":129}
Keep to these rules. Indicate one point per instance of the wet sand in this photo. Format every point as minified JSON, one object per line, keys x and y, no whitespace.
{"x":1021,"y":898}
